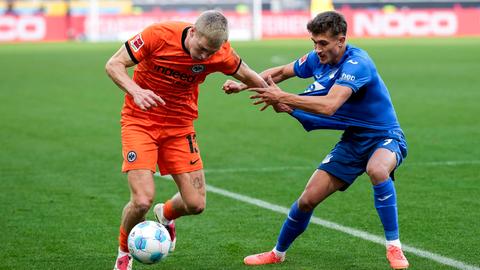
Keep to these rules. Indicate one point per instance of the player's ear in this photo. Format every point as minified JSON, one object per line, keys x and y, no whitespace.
{"x":192,"y":31}
{"x":341,"y":41}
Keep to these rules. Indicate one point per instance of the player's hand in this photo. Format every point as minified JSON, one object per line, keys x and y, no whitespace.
{"x":281,"y":107}
{"x":146,"y":99}
{"x":230,"y":87}
{"x":269,"y":95}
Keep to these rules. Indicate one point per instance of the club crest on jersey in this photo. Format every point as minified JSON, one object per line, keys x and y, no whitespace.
{"x":302,"y":60}
{"x":131,"y":156}
{"x":198,"y":68}
{"x":315,"y":86}
{"x":137,"y":42}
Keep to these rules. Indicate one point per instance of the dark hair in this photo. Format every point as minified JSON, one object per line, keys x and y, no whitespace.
{"x":329,"y":21}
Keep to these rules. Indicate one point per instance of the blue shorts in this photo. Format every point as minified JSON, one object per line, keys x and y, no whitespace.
{"x":350,"y":156}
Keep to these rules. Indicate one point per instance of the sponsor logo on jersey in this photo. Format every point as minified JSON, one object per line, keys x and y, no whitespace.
{"x":175,"y":74}
{"x":198,"y":68}
{"x":137,"y":42}
{"x":352,"y":62}
{"x":347,"y":77}
{"x":302,"y":60}
{"x":131,"y":156}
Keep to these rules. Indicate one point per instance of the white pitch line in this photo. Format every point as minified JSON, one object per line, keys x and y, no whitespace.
{"x":445,"y":163}
{"x":354,"y":232}
{"x":264,"y":169}
{"x":334,"y":226}
{"x":314,"y":166}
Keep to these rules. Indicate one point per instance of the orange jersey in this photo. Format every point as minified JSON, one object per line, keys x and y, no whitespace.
{"x":166,"y":67}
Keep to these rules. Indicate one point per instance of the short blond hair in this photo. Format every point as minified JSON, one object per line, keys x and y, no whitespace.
{"x":213,"y":25}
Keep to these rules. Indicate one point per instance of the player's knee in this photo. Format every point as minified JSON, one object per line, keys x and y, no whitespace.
{"x":377,"y":173}
{"x":195,"y":210}
{"x":142,"y":204}
{"x":306,"y":204}
{"x":196,"y":207}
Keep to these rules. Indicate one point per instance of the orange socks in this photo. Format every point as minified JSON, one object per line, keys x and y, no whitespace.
{"x":122,"y":240}
{"x":168,"y":211}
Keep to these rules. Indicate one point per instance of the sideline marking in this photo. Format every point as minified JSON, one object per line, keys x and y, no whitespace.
{"x":314,"y":166}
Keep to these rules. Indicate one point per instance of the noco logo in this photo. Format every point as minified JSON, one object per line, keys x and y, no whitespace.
{"x":415,"y":23}
{"x":175,"y":74}
{"x":22,"y":28}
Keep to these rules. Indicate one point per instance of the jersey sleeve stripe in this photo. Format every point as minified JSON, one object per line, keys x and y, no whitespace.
{"x":238,"y":67}
{"x":131,"y":53}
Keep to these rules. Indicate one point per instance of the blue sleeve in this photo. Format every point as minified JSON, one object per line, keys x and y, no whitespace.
{"x":356,"y":72}
{"x":311,"y":121}
{"x":305,"y":65}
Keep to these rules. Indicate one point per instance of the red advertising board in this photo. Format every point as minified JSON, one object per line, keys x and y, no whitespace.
{"x":413,"y":22}
{"x":39,"y":28}
{"x":450,"y":22}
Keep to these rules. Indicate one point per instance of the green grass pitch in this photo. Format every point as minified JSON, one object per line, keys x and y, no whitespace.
{"x":62,"y":192}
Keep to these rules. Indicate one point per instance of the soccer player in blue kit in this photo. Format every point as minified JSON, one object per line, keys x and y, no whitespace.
{"x":347,"y":94}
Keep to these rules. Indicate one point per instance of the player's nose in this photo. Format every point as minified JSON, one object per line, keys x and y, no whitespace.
{"x":201,"y":56}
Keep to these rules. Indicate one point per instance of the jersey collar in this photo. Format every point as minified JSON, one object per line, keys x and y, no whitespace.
{"x":184,"y":36}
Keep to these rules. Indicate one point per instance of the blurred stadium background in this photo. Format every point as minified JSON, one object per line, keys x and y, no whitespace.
{"x":105,"y":20}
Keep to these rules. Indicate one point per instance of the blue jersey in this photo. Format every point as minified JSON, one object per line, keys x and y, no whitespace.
{"x":370,"y":105}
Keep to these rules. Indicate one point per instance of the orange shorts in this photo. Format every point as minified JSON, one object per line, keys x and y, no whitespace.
{"x":147,"y":143}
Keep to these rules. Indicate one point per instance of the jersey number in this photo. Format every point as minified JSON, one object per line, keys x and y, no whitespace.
{"x":192,"y":141}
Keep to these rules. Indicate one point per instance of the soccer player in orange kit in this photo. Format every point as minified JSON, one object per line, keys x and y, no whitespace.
{"x":161,"y":102}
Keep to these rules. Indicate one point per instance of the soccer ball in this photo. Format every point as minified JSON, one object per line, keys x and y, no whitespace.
{"x":149,"y":242}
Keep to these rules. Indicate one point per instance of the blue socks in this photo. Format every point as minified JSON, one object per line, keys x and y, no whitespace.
{"x":294,"y":225}
{"x":386,"y":204}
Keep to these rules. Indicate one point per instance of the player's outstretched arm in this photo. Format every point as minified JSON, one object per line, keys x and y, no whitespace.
{"x":247,"y":76}
{"x":278,"y":74}
{"x":326,"y":105}
{"x":270,"y":95}
{"x":116,"y":69}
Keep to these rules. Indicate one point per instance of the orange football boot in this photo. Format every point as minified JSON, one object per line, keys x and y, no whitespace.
{"x":396,"y":258}
{"x":268,"y":257}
